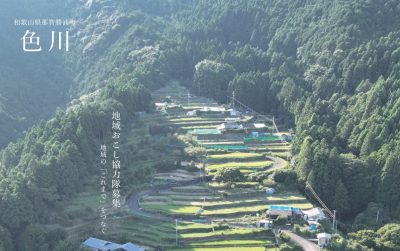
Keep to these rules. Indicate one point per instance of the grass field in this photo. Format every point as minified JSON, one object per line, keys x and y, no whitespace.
{"x":235,"y":155}
{"x":145,"y":231}
{"x":186,"y":119}
{"x":242,"y":165}
{"x":171,"y":209}
{"x":247,"y":248}
{"x":225,"y":212}
{"x":284,"y":197}
{"x":232,"y":243}
{"x":240,"y":232}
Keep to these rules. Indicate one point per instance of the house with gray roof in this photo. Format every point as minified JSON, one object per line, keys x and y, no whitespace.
{"x":95,"y":244}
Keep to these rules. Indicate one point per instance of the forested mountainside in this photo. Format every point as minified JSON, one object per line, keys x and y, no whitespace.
{"x":328,"y":68}
{"x":32,"y":85}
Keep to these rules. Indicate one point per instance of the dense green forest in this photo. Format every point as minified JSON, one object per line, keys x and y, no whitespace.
{"x":32,"y":85}
{"x":329,"y":69}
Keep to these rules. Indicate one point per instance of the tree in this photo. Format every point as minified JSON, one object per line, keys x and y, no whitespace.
{"x":365,"y":238}
{"x":341,"y":198}
{"x":211,"y":78}
{"x":319,"y":167}
{"x":389,"y":238}
{"x":369,"y":143}
{"x":253,"y":89}
{"x":305,"y":160}
{"x":5,"y":240}
{"x":331,"y":175}
{"x":228,"y":174}
{"x":33,"y":239}
{"x":389,"y":183}
{"x":67,"y":246}
{"x":287,"y":176}
{"x":16,"y":211}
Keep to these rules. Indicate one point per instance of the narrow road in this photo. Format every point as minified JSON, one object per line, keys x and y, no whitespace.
{"x":279,"y":163}
{"x":305,"y":244}
{"x":133,"y":203}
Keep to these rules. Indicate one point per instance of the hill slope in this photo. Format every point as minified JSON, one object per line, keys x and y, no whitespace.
{"x":328,"y":68}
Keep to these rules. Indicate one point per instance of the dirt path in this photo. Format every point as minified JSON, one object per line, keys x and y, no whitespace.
{"x":305,"y":244}
{"x":279,"y":163}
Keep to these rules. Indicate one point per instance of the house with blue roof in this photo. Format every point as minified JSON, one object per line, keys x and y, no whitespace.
{"x":95,"y":244}
{"x":291,"y":212}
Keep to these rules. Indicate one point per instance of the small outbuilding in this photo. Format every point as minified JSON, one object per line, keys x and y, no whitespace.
{"x":234,"y":113}
{"x":191,"y":113}
{"x":323,"y":239}
{"x":266,"y":224}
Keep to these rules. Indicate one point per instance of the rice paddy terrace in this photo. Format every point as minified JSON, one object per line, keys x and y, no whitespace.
{"x":211,"y":215}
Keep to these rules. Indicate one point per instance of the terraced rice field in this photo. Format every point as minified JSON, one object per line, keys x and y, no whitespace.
{"x":204,"y":200}
{"x":231,"y":209}
{"x":241,"y":165}
{"x":217,"y":216}
{"x":177,"y":175}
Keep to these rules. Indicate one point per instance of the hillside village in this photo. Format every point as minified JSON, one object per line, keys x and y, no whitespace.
{"x":234,"y":193}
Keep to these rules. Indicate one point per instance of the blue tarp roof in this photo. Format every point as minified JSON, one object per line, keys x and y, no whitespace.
{"x":106,"y":245}
{"x":284,"y":208}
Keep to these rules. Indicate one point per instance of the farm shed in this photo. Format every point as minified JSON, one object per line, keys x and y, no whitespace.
{"x":229,"y":126}
{"x":314,"y":214}
{"x":211,"y":111}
